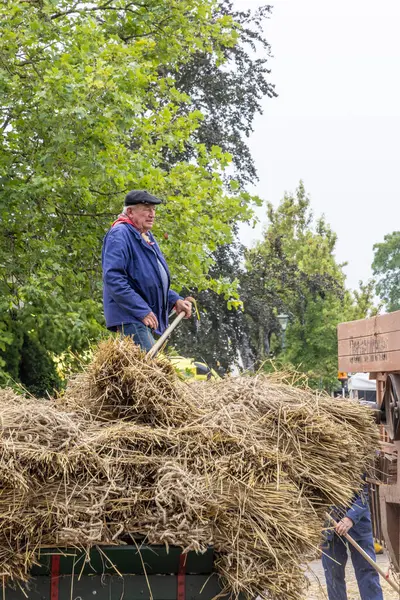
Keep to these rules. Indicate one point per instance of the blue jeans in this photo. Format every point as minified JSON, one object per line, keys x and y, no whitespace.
{"x":140,"y":333}
{"x":367,"y":577}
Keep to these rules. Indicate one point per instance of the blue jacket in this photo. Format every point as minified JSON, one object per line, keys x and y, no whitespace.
{"x":132,"y":283}
{"x":359,"y":513}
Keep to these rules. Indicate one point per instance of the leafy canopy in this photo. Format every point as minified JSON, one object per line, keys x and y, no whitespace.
{"x":228,"y":92}
{"x":293,"y":270}
{"x":386,"y":267}
{"x":301,"y":277}
{"x":89,"y":108}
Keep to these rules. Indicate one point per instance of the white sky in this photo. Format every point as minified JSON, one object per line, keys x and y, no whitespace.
{"x":336,"y":122}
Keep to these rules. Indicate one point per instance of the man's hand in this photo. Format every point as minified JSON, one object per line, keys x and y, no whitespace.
{"x":150,"y":320}
{"x":183,"y":306}
{"x":343,"y":526}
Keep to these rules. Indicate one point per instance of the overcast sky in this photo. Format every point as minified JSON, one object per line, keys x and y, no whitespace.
{"x":336,"y":122}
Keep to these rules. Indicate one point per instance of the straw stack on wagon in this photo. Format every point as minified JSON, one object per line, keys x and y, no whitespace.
{"x":247,"y":465}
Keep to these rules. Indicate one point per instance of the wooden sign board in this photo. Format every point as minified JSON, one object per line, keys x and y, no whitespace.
{"x":370,"y":345}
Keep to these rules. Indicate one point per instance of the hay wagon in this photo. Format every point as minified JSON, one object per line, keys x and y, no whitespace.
{"x":373,"y":346}
{"x":118,"y":572}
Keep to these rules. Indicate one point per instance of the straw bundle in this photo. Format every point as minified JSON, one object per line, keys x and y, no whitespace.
{"x":322,"y":444}
{"x":121,"y":383}
{"x":247,"y":464}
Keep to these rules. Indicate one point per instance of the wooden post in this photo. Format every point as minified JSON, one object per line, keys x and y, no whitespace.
{"x":151,"y":353}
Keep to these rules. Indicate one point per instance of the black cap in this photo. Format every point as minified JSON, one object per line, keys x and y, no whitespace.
{"x":140,"y":197}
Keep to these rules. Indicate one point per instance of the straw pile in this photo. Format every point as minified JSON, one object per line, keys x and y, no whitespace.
{"x":248,"y":465}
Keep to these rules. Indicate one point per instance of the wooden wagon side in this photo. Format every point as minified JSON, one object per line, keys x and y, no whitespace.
{"x":373,"y":346}
{"x":116,"y":572}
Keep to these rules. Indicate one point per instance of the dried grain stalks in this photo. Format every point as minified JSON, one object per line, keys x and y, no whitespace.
{"x":122,"y":383}
{"x":245,"y":464}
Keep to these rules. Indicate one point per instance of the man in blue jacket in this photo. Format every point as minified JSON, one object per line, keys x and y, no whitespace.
{"x":357,"y":523}
{"x":136,"y":282}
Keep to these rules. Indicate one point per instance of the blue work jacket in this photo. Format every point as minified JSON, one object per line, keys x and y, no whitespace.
{"x":132,"y":282}
{"x":359,"y":513}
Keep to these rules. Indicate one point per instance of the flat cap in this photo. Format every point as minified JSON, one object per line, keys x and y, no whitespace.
{"x":140,"y":197}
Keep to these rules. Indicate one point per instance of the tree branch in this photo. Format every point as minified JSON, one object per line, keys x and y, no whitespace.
{"x":107,"y":193}
{"x":73,"y":10}
{"x":105,"y":6}
{"x":71,"y":214}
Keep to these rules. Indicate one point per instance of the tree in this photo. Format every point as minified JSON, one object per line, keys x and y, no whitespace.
{"x":37,"y":371}
{"x":361,"y":303}
{"x":220,"y":335}
{"x":86,"y":114}
{"x":295,"y":263}
{"x":294,"y":271}
{"x":386,"y":266}
{"x":228,"y":91}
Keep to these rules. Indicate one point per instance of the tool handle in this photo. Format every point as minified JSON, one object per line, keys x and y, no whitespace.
{"x":367,"y":557}
{"x":153,"y":351}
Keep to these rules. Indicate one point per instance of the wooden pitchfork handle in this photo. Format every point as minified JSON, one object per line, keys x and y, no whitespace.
{"x":153,"y":351}
{"x":367,"y":557}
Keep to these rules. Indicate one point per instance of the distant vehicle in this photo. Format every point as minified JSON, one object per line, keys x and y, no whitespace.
{"x":362,"y":388}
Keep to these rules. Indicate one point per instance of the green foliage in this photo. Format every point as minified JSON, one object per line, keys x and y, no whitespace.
{"x":228,"y":92}
{"x":220,"y":334}
{"x":360,"y":303}
{"x":386,"y":267}
{"x":37,"y":370}
{"x":293,"y":270}
{"x":26,"y":361}
{"x":312,"y":336}
{"x":308,"y":284}
{"x":68,"y":363}
{"x":10,"y":352}
{"x":90,"y":108}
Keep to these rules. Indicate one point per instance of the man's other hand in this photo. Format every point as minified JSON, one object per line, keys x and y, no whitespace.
{"x":343,"y":526}
{"x":183,"y":306}
{"x":150,"y":320}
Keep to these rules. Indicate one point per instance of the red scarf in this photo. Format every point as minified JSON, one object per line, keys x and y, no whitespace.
{"x":124,"y":219}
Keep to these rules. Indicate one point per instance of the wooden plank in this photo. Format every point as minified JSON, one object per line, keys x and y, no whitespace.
{"x":382,"y":361}
{"x":370,"y":345}
{"x":386,"y":323}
